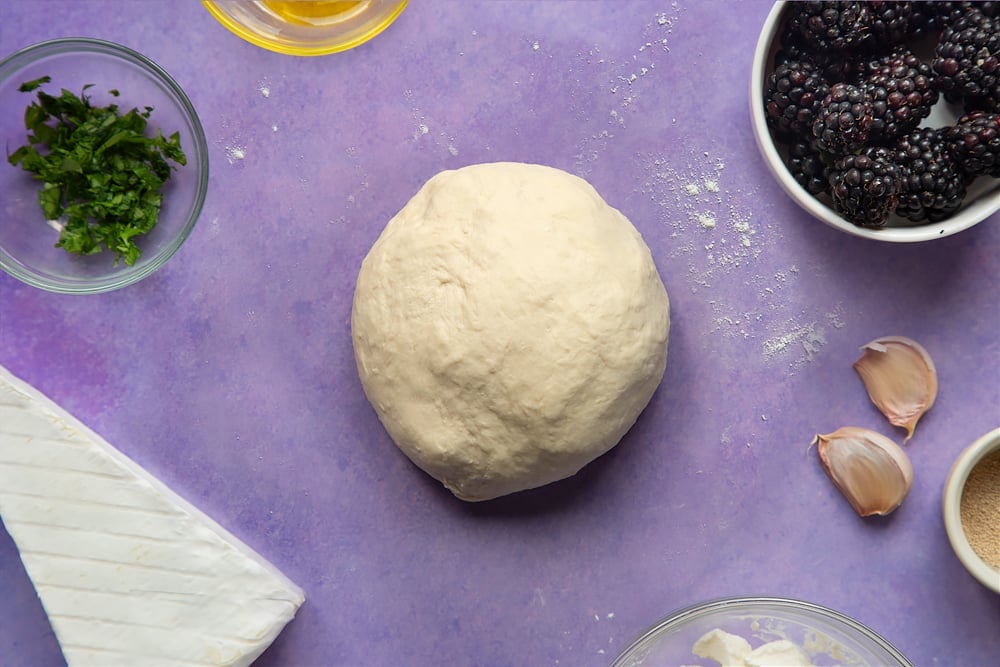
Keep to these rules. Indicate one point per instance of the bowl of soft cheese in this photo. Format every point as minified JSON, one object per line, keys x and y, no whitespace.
{"x":757,"y":632}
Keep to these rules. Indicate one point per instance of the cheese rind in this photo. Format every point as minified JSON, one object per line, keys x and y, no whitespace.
{"x":128,"y":572}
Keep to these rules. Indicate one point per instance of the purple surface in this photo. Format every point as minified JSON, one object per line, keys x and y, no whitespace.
{"x":230,"y":373}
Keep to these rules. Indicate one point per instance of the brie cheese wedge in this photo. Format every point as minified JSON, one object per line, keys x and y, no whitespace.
{"x":127,"y":571}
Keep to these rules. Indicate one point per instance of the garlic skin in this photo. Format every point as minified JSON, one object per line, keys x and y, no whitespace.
{"x":869,"y":469}
{"x":900,"y":378}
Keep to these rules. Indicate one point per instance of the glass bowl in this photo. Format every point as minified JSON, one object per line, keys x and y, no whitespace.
{"x":982,"y":201}
{"x":827,"y":636}
{"x":306,"y":27}
{"x":954,"y":489}
{"x":27,"y":239}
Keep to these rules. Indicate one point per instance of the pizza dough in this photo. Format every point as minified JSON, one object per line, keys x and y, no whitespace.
{"x":509,"y":326}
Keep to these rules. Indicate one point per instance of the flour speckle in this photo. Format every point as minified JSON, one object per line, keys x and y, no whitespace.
{"x":706,"y":220}
{"x":535,"y":45}
{"x":235,"y":153}
{"x":626,"y":77}
{"x":427,"y":131}
{"x":741,"y":225}
{"x":836,"y":316}
{"x":698,"y":190}
{"x":713,"y":230}
{"x":805,"y":338}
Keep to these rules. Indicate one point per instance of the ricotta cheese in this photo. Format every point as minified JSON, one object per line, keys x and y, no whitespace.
{"x":731,"y":650}
{"x":778,"y":653}
{"x":127,"y":571}
{"x":722,"y":647}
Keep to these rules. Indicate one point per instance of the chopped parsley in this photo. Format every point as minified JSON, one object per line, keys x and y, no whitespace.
{"x":102,"y":176}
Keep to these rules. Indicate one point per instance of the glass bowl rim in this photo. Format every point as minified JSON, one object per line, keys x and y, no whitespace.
{"x":678,"y":617}
{"x":62,"y":46}
{"x":334,"y":44}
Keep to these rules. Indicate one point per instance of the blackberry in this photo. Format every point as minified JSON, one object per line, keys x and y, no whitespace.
{"x":808,"y":167}
{"x":975,"y":143}
{"x":890,"y":21}
{"x":831,"y":24}
{"x":924,"y":19}
{"x":902,"y":92}
{"x":834,"y":66}
{"x":844,"y":120}
{"x":967,"y":61}
{"x":933,"y":183}
{"x":865,"y":187}
{"x":795,"y":91}
{"x":991,"y":8}
{"x":947,"y":13}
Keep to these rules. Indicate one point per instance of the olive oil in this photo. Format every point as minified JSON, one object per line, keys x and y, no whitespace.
{"x":315,"y":12}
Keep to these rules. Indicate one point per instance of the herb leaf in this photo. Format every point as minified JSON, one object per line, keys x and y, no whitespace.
{"x":102,"y":175}
{"x":29,"y":86}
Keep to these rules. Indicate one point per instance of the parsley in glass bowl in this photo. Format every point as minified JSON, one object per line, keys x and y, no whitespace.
{"x":105,"y":166}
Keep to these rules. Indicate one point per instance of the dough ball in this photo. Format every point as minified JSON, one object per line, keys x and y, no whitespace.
{"x":509,"y":326}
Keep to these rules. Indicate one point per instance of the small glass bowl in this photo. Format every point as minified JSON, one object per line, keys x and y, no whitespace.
{"x":953,"y":489}
{"x":981,"y":202}
{"x":827,"y":636}
{"x":306,"y":27}
{"x":27,"y":240}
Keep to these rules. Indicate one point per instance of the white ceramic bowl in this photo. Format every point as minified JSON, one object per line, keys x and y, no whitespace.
{"x":953,"y":490}
{"x":829,"y":637}
{"x":983,"y":199}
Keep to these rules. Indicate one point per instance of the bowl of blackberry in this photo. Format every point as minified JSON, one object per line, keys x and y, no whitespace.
{"x":882,"y":119}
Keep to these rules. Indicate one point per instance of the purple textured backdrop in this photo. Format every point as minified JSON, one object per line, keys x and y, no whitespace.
{"x":230,"y":374}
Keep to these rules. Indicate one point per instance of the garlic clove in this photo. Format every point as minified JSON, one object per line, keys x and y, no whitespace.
{"x":900,"y":378}
{"x":872,"y":471}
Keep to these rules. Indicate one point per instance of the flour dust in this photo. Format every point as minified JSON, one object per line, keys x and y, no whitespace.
{"x":626,"y":80}
{"x":728,"y":259}
{"x":423,"y":130}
